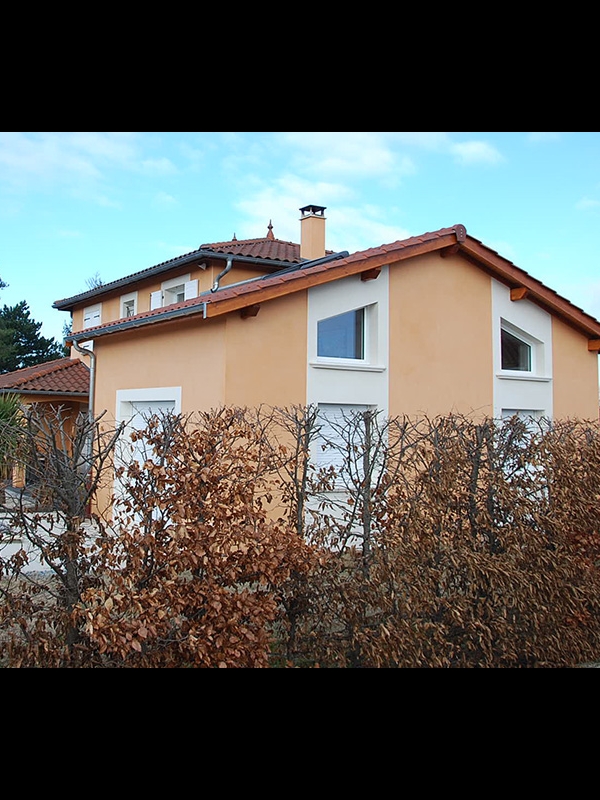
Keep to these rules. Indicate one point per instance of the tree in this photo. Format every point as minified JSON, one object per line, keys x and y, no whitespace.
{"x":21,"y":344}
{"x":94,"y":281}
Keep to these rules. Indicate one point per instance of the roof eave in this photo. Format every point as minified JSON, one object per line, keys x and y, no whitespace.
{"x":532,"y":289}
{"x":68,"y":303}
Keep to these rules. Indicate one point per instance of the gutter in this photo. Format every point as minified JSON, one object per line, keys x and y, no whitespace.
{"x":191,"y":258}
{"x":165,"y":316}
{"x":86,"y":335}
{"x":36,"y":392}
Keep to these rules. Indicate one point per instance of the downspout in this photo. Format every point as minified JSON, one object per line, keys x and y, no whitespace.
{"x":84,"y":351}
{"x":228,"y":266}
{"x":90,"y":443}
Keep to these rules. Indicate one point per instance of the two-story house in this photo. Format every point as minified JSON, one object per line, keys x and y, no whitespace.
{"x":430,"y":324}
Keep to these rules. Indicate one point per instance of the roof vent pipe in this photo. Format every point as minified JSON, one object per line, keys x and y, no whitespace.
{"x":228,"y":266}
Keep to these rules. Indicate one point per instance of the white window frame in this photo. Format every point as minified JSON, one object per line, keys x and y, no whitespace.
{"x":164,"y":296}
{"x":92,"y":316}
{"x":528,"y":415}
{"x":127,"y":300}
{"x":369,"y":362}
{"x":126,"y":400}
{"x":535,"y":349}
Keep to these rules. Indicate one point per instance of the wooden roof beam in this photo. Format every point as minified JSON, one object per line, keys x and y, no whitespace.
{"x":250,"y":311}
{"x":548,"y":299}
{"x":594,"y":345}
{"x":370,"y":274}
{"x":450,"y":251}
{"x":519,"y":293}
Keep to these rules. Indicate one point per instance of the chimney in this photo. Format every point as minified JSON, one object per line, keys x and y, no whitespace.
{"x":312,"y":232}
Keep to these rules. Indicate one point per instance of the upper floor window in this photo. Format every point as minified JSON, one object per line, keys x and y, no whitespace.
{"x":516,"y":353}
{"x":520,"y":352}
{"x":175,"y":290}
{"x":92,"y":316}
{"x":342,"y":336}
{"x":129,"y":305}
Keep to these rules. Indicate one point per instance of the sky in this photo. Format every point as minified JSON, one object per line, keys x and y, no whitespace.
{"x":80,"y":206}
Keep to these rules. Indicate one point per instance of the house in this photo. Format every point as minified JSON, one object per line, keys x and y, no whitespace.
{"x":430,"y":324}
{"x":63,"y":384}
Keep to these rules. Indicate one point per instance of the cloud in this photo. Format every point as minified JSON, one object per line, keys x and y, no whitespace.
{"x":587,"y":203}
{"x":80,"y":161}
{"x":41,"y":156}
{"x":475,"y":152}
{"x":348,"y":227}
{"x":281,"y":201}
{"x":360,"y":228}
{"x":334,"y":155}
{"x":155,"y":166}
{"x":65,"y":234}
{"x":543,"y":136}
{"x":164,"y":200}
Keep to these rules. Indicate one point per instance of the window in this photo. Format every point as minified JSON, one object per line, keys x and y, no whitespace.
{"x":92,"y":316}
{"x":516,"y":353}
{"x":129,"y":305}
{"x":176,"y":294}
{"x":342,"y":336}
{"x":337,"y":422}
{"x":175,"y":290}
{"x":528,"y":415}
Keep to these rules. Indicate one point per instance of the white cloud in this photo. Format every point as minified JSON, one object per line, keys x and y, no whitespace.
{"x":543,"y":136}
{"x":348,"y":227}
{"x":587,"y":203}
{"x":65,"y":234}
{"x":164,"y":199}
{"x":45,"y":156}
{"x":346,"y":154}
{"x":281,"y":202}
{"x":428,"y":140}
{"x":80,"y":161}
{"x":155,"y":166}
{"x":475,"y":152}
{"x":116,"y":147}
{"x":360,"y":228}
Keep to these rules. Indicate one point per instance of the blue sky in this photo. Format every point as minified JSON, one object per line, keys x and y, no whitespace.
{"x":76,"y":205}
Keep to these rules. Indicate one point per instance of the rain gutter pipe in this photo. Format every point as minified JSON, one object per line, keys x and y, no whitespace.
{"x":228,"y":266}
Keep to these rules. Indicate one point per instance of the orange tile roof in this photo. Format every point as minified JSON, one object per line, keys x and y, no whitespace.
{"x":61,"y":376}
{"x":304,"y":274}
{"x":267,"y":248}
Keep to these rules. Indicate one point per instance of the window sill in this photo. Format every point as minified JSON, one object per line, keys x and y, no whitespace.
{"x":524,"y":377}
{"x":351,"y":365}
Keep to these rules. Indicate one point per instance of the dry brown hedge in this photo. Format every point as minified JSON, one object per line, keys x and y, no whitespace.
{"x":443,"y":542}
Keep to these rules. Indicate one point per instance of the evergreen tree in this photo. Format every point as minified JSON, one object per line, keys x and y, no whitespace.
{"x":21,"y":344}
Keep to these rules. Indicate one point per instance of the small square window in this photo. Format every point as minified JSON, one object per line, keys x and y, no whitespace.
{"x":516,"y":354}
{"x":129,"y":304}
{"x":342,"y":336}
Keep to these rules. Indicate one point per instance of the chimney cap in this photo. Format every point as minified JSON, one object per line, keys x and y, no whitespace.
{"x":317,"y":210}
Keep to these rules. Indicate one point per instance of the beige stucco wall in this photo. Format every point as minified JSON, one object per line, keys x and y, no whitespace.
{"x":189,"y":354}
{"x":111,"y":303}
{"x":575,"y":383}
{"x":440,"y":337}
{"x":266,"y":354}
{"x":222,"y":361}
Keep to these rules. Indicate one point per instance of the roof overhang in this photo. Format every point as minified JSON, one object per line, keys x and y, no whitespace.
{"x":524,"y":286}
{"x":367,"y":263}
{"x":196,"y":257}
